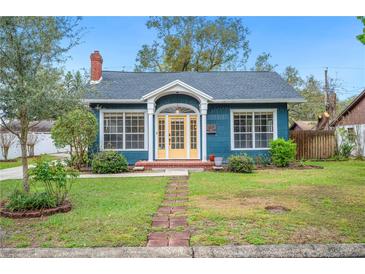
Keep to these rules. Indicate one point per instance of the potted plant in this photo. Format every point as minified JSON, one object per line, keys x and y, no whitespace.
{"x":211,"y":157}
{"x":218,"y":161}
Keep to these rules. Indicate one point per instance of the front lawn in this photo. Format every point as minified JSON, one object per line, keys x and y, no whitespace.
{"x":107,"y":212}
{"x":326,"y":206}
{"x":31,"y":160}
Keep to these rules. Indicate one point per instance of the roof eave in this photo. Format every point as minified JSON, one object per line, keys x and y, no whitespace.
{"x":273,"y":100}
{"x":113,"y":101}
{"x":348,"y":108}
{"x":217,"y":101}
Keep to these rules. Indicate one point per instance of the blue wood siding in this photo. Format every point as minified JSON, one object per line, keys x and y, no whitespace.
{"x":219,"y":144}
{"x":132,"y":156}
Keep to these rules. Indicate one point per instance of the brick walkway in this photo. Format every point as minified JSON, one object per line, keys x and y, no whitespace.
{"x":169,"y":224}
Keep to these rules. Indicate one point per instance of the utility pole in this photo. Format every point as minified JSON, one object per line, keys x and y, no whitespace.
{"x":330,"y":97}
{"x":330,"y":105}
{"x":326,"y":90}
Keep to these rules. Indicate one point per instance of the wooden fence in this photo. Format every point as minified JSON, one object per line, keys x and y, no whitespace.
{"x":314,"y":144}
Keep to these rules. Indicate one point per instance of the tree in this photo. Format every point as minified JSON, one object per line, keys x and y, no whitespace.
{"x":78,"y":130}
{"x":6,"y":140}
{"x":361,"y":37}
{"x":262,"y":63}
{"x":342,"y":104}
{"x":194,"y":44}
{"x":314,"y":105}
{"x":31,"y":85}
{"x":291,"y":75}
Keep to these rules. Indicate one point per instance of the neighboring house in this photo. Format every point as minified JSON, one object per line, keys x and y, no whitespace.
{"x":352,"y":118}
{"x":303,"y":125}
{"x":40,"y":132}
{"x":188,"y":115}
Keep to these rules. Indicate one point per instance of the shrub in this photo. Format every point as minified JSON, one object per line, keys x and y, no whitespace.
{"x":263,"y":160}
{"x":77,"y":129}
{"x":109,"y":162}
{"x":21,"y":201}
{"x":56,"y":178}
{"x":347,"y":143}
{"x":240,"y":163}
{"x":282,"y":152}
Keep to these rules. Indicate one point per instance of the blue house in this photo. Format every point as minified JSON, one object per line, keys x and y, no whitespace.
{"x":151,"y":116}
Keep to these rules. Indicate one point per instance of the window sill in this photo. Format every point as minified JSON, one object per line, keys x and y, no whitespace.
{"x":251,"y":148}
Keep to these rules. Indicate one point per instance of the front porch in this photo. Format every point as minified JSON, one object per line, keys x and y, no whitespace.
{"x":184,"y":164}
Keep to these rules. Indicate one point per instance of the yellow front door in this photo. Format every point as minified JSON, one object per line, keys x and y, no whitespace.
{"x":177,"y":137}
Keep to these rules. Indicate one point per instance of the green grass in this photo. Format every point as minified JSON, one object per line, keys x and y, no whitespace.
{"x":31,"y":160}
{"x":326,"y":206}
{"x":106,"y":212}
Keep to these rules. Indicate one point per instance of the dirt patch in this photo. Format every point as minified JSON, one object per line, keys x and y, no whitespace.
{"x":316,"y":235}
{"x":239,"y":206}
{"x":66,"y":207}
{"x":277,"y":209}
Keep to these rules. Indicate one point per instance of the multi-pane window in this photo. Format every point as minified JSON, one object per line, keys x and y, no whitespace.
{"x":124,"y":130}
{"x":242,"y":124}
{"x":252,"y":129}
{"x":193,"y":136}
{"x":177,"y":133}
{"x":264,"y":129}
{"x":134,"y":130}
{"x":161,"y":133}
{"x":113,"y":131}
{"x":351,"y":134}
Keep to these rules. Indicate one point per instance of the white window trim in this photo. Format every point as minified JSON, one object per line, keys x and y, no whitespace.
{"x":101,"y":128}
{"x":275,"y":128}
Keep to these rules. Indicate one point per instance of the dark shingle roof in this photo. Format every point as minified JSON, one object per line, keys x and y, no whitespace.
{"x":219,"y":85}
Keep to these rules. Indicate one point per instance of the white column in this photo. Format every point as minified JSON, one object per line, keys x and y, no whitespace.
{"x":203,"y":111}
{"x":150,"y":111}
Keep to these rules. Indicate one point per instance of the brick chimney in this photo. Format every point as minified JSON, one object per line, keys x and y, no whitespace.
{"x":96,"y":66}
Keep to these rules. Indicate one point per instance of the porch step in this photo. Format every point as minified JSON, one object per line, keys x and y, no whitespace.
{"x":185,"y":164}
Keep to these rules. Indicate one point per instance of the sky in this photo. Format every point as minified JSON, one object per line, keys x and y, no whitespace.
{"x":308,"y":43}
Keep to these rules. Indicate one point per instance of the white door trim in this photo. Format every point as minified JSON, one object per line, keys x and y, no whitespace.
{"x":167,"y":135}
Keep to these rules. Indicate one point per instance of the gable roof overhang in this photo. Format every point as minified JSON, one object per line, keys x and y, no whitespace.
{"x":177,"y":87}
{"x":348,"y":108}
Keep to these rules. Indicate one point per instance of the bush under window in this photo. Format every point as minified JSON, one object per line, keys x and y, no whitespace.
{"x":240,"y":163}
{"x":282,"y":152}
{"x":109,"y":162}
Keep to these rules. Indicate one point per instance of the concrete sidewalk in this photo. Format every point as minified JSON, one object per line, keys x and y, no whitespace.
{"x":11,"y":173}
{"x":17,"y":173}
{"x":244,"y":251}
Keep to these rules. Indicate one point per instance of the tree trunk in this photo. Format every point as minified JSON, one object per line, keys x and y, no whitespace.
{"x":23,"y":146}
{"x":30,"y":150}
{"x":6,"y":152}
{"x":24,"y":129}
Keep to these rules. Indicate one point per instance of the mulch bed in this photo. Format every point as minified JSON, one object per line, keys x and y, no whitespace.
{"x":66,"y":207}
{"x":8,"y":161}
